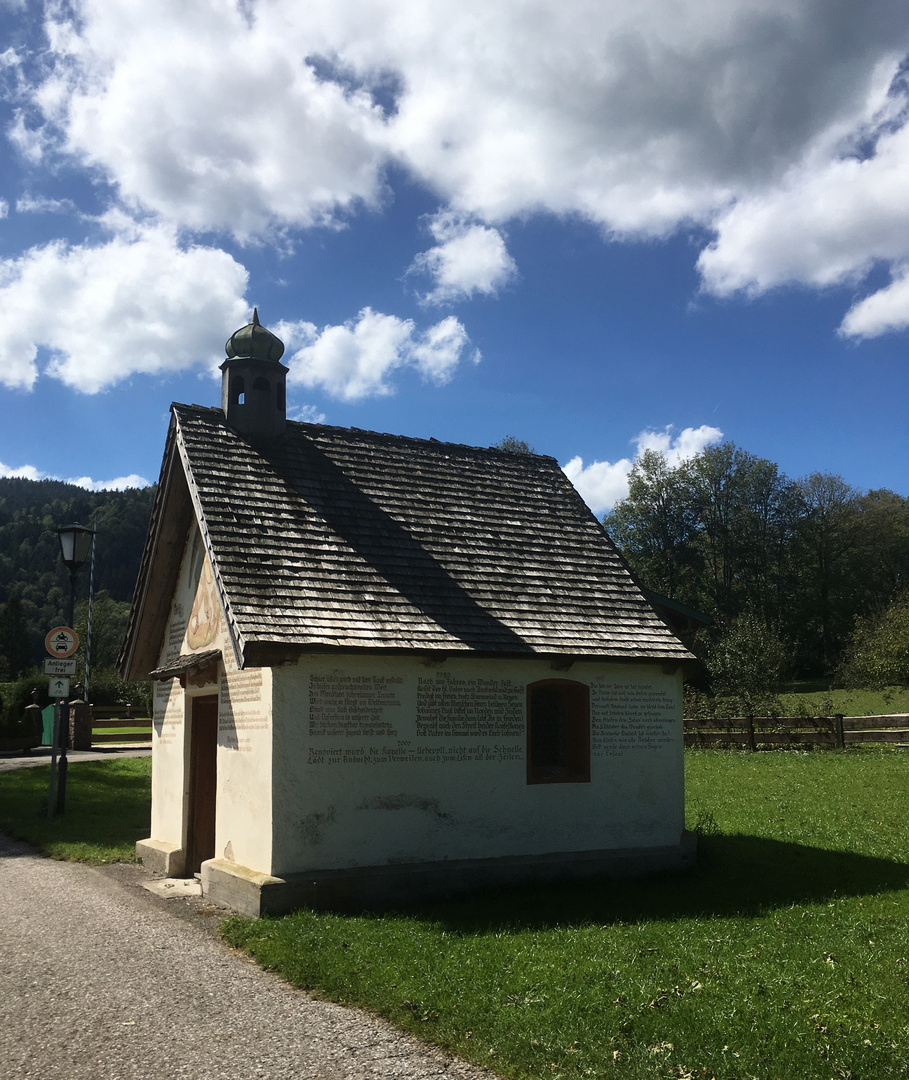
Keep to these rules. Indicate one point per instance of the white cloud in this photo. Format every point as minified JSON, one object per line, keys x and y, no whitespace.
{"x":823,"y":224}
{"x":29,"y":204}
{"x":23,"y":472}
{"x":356,"y":359}
{"x":307,"y":413}
{"x":106,"y":312}
{"x":4,"y":208}
{"x":777,"y":124}
{"x":468,"y":259}
{"x":883,"y":311}
{"x":678,"y":448}
{"x":602,"y":484}
{"x":121,"y":483}
{"x":234,"y":132}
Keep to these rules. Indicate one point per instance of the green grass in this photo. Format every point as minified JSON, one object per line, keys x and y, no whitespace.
{"x":822,"y":702}
{"x":785,"y":955}
{"x":145,"y":730}
{"x":107,"y":810}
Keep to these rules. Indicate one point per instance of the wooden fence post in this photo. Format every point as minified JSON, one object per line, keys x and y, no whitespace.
{"x":840,"y":731}
{"x":751,"y":743}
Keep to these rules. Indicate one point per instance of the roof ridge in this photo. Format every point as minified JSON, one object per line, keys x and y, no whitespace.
{"x":391,"y":437}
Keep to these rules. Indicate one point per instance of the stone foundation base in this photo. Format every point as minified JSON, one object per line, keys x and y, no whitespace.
{"x":161,"y":858}
{"x":399,"y":885}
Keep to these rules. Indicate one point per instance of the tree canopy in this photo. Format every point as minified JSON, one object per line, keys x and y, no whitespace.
{"x":729,"y":534}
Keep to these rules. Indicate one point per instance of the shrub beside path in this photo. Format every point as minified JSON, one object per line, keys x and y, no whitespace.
{"x":101,"y":978}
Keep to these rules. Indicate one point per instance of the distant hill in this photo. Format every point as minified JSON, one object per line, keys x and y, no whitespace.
{"x":30,"y":566}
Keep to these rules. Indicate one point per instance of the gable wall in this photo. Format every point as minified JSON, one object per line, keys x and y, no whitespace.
{"x":384,"y":760}
{"x":243,"y":813}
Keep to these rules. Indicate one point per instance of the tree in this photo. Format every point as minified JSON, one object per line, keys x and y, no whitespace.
{"x":109,"y":619}
{"x":514,"y":445}
{"x":746,"y":661}
{"x":831,"y":578}
{"x":878,"y":653}
{"x":744,"y":510}
{"x":655,"y":529}
{"x":15,"y":647}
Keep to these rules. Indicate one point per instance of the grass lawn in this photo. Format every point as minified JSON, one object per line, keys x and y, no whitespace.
{"x":785,"y":955}
{"x":821,"y":702}
{"x":145,"y":731}
{"x":107,"y":809}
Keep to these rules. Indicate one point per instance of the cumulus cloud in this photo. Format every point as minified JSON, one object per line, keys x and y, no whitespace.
{"x":22,"y":472}
{"x":236,"y":131}
{"x":602,"y":484}
{"x":779,"y":125}
{"x":4,"y":208}
{"x":468,"y":259}
{"x":822,"y":225}
{"x":120,"y":483}
{"x":356,"y":359}
{"x":102,"y":313}
{"x":885,"y":310}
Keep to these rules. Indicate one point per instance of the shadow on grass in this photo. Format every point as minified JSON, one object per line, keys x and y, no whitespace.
{"x":735,"y":876}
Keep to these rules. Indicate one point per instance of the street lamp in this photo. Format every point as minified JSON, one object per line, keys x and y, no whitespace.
{"x":75,"y":548}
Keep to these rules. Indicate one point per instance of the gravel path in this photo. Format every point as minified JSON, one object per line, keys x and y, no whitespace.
{"x":102,"y":980}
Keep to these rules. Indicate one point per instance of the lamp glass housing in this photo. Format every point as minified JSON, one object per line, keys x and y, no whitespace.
{"x":75,"y":544}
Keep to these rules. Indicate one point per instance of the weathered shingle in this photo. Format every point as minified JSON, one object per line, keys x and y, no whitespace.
{"x":336,"y":537}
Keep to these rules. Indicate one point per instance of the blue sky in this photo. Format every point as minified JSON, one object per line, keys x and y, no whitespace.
{"x":598,"y":227}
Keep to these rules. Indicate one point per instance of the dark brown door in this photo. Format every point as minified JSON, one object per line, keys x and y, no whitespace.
{"x":203,"y":779}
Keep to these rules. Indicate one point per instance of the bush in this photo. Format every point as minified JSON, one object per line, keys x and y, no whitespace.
{"x":15,"y":696}
{"x":746,"y":661}
{"x":107,"y":688}
{"x":878,"y":653}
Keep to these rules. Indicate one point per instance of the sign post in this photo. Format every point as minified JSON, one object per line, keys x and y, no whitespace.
{"x":61,"y":643}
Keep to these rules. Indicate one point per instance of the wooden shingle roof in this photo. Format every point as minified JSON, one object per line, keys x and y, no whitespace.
{"x":340,"y":538}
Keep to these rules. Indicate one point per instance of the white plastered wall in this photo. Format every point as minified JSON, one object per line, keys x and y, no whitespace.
{"x":243,"y":823}
{"x":388,"y":760}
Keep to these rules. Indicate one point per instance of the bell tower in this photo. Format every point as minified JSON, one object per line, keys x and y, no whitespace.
{"x":254,"y":382}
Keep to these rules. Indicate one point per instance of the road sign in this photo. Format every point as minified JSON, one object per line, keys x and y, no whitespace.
{"x":58,"y":687}
{"x":55,"y":666}
{"x":61,"y":641}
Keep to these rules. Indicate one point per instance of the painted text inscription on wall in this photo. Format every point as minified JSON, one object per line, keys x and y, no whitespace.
{"x":352,"y":705}
{"x":367,"y":719}
{"x":241,"y":709}
{"x":469,"y":708}
{"x":630,"y":717}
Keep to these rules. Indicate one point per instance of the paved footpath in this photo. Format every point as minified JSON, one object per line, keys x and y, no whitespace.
{"x":102,"y":980}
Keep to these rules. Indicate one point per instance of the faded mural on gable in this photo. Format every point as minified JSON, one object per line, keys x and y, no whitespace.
{"x":196,"y":620}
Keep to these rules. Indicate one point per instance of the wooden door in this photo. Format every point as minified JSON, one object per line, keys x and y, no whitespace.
{"x":203,"y":781}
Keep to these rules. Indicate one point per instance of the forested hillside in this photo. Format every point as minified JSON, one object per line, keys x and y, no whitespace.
{"x":34,"y":584}
{"x":788,"y":565}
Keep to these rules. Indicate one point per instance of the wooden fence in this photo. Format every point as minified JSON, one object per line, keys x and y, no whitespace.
{"x":757,"y":733}
{"x":108,"y":723}
{"x":770,"y":733}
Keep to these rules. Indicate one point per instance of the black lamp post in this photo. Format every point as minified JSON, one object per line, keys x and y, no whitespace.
{"x":75,"y":549}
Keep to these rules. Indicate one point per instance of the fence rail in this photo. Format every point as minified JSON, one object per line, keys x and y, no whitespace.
{"x":764,"y":732}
